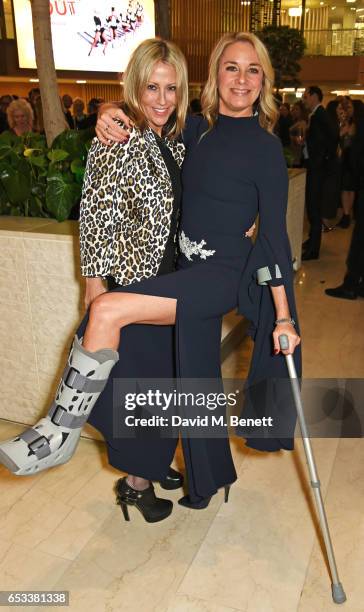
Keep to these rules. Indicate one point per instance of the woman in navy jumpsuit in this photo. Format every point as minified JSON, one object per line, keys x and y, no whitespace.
{"x":234,"y":169}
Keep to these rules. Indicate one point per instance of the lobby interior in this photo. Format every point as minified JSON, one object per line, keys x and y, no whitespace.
{"x":260,"y":552}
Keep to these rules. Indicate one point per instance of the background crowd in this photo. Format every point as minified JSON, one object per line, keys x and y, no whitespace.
{"x":22,"y":115}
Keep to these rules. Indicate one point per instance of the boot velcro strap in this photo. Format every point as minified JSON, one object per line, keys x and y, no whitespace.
{"x":60,"y":416}
{"x":36,"y":442}
{"x":73,"y":379}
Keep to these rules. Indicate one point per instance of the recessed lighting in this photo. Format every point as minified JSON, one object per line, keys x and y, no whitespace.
{"x":81,"y":82}
{"x":33,"y":80}
{"x":295,"y":11}
{"x":350,"y":1}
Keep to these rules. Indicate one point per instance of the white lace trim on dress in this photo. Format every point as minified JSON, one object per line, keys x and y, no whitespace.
{"x":189,"y":247}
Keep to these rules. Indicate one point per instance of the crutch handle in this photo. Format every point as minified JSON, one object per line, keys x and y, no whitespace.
{"x":283,"y":342}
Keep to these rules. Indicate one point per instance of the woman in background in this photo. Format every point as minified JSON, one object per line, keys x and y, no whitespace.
{"x":297,"y":132}
{"x":20,"y":117}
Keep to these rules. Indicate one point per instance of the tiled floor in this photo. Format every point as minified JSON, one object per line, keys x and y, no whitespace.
{"x":259,"y":553}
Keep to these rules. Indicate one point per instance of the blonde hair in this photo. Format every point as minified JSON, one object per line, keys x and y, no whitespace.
{"x":268,"y":113}
{"x":138,"y":73}
{"x":22,"y":106}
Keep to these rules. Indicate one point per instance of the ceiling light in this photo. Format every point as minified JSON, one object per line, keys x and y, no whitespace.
{"x":33,"y":80}
{"x":295,"y":11}
{"x":81,"y":82}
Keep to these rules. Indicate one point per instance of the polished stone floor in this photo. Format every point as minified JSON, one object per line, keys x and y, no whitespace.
{"x":60,"y":530}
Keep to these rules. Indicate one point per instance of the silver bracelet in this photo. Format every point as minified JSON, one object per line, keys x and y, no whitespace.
{"x":291,"y":321}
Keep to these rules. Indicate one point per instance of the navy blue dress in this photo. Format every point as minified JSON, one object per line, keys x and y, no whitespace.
{"x":230,"y":174}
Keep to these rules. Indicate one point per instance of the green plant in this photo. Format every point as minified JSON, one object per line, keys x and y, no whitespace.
{"x":37,"y":181}
{"x":286,"y":47}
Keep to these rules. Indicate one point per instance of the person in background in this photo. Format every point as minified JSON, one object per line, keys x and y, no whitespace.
{"x":67,"y":105}
{"x":20,"y":117}
{"x":319,"y":155}
{"x":284,"y":123}
{"x":352,"y":286}
{"x":33,"y":95}
{"x":4,"y":103}
{"x":350,"y":116}
{"x":91,"y":119}
{"x":195,"y":107}
{"x":297,"y":132}
{"x":38,"y":125}
{"x":78,"y":112}
{"x":113,"y":22}
{"x":332,"y":184}
{"x":100,"y":36}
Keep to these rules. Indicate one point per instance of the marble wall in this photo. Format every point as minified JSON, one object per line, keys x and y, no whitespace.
{"x":40,"y":304}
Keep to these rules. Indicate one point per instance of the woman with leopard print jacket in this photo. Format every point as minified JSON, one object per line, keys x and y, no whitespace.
{"x":128,"y":224}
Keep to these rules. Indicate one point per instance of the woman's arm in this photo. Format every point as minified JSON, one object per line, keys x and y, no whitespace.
{"x":283,"y":312}
{"x":272,"y":183}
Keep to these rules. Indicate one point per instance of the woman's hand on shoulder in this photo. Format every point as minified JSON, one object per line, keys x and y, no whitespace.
{"x":94,"y":288}
{"x":288,"y":330}
{"x":108,"y":130}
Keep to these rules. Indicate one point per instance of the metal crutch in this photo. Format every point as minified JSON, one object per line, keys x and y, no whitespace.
{"x":338,"y":593}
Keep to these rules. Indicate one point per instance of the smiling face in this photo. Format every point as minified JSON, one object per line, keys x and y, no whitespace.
{"x":159,"y":98}
{"x":240,"y":80}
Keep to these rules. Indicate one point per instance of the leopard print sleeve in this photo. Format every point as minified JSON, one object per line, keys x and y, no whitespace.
{"x":97,"y":209}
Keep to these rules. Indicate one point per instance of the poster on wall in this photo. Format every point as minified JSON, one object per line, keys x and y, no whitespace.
{"x":93,"y":35}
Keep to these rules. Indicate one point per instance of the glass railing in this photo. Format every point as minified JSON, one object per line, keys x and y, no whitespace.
{"x":334,"y":42}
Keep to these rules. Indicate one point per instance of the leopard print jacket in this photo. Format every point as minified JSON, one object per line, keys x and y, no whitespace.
{"x":126,"y":208}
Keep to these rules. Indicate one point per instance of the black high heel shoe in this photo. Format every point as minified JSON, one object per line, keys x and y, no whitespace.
{"x":173,"y":480}
{"x":204,"y":501}
{"x":153,"y":508}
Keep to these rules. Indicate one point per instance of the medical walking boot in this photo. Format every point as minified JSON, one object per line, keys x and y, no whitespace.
{"x":53,"y":440}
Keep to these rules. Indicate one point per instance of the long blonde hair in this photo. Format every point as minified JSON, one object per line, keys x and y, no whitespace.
{"x":268,"y":113}
{"x":138,"y":72}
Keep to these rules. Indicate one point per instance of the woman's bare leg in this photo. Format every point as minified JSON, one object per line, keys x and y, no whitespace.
{"x":110,"y":312}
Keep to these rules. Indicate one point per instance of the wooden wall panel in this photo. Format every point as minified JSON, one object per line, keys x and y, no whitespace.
{"x":196,"y":25}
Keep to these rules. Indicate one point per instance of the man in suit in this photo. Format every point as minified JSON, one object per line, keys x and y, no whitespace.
{"x":353,"y":284}
{"x":319,"y":152}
